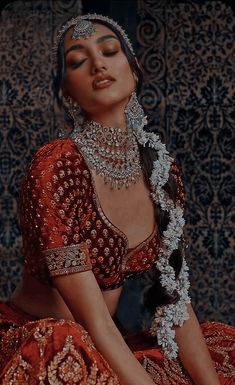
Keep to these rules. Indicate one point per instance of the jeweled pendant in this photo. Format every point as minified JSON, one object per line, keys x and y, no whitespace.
{"x":83,"y":29}
{"x":111,"y":152}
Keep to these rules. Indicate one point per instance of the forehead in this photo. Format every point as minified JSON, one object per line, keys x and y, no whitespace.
{"x":100,"y":30}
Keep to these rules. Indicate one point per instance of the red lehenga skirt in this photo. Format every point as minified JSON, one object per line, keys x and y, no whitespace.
{"x":57,"y":352}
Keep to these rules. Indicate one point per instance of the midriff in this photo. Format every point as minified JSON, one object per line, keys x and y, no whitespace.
{"x":42,"y":301}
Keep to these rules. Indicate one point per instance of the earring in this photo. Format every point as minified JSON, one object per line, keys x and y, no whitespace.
{"x":134,"y":112}
{"x":74,"y":110}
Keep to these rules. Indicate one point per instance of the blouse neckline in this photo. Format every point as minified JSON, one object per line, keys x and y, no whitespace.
{"x":107,"y":221}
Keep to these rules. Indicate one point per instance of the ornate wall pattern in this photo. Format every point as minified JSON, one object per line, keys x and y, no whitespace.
{"x":187,"y":53}
{"x":27,"y":113}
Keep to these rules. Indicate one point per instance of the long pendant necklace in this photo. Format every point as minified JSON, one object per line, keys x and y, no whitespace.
{"x":111,"y":152}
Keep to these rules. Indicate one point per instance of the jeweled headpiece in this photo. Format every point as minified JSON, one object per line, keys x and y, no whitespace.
{"x":84,"y":28}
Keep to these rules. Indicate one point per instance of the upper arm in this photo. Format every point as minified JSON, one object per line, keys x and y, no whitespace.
{"x":84,"y":298}
{"x":52,"y":216}
{"x":50,"y":212}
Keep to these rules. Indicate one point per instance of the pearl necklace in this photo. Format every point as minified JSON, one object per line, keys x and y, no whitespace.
{"x":111,"y":152}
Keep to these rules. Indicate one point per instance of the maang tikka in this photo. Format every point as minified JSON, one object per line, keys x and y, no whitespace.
{"x":84,"y":27}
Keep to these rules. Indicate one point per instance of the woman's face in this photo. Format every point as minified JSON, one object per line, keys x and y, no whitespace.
{"x":98,"y":74}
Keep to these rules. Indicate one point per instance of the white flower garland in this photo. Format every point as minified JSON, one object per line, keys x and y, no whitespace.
{"x":167,"y":316}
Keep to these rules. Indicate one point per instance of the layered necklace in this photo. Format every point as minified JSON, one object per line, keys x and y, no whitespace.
{"x":112,"y":152}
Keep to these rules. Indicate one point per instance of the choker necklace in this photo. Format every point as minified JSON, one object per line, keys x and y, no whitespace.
{"x":111,"y":152}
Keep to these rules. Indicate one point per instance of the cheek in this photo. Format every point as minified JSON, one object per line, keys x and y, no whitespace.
{"x":125,"y":74}
{"x":127,"y":82}
{"x":76,"y":85}
{"x":74,"y":79}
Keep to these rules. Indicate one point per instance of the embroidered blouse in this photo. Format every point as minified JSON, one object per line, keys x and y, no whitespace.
{"x":63,"y":226}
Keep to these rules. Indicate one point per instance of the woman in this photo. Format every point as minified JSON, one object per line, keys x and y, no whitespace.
{"x":96,"y":208}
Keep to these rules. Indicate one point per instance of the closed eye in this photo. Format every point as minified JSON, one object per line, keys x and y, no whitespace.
{"x":110,"y":53}
{"x":75,"y":64}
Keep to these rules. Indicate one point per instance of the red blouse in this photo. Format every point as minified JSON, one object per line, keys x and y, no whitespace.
{"x":63,"y":226}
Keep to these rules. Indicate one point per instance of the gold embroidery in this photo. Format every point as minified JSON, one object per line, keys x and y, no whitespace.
{"x":68,"y":259}
{"x":87,"y":340}
{"x":171,"y":372}
{"x":141,"y":246}
{"x":18,"y":373}
{"x":168,"y":373}
{"x":215,"y":345}
{"x":67,"y":365}
{"x":10,"y":342}
{"x":41,"y":334}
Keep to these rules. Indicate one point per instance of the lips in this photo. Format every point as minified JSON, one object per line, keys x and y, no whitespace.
{"x":102,"y":81}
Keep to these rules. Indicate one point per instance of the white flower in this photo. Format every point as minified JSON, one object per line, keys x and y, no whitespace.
{"x":166,"y":317}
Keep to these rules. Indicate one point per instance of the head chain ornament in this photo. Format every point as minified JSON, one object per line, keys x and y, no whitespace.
{"x":84,"y":29}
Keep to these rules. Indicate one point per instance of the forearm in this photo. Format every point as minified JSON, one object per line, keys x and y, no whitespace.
{"x":112,"y":346}
{"x":193,"y":352}
{"x":89,"y":308}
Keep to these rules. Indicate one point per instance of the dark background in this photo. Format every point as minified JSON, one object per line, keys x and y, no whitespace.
{"x":186,"y":50}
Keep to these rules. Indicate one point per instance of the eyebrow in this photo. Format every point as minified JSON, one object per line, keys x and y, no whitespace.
{"x":100,"y":39}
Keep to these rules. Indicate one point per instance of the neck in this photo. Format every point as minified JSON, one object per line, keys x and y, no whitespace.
{"x":114,"y":117}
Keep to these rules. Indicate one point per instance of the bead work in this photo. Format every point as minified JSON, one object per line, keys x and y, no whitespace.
{"x":83,"y":29}
{"x":111,"y":152}
{"x":66,"y":260}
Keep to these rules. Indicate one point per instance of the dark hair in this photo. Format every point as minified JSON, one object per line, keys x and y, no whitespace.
{"x":60,"y":76}
{"x":156,"y":295}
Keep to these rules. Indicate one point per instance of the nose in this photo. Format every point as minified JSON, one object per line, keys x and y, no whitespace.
{"x":98,"y":65}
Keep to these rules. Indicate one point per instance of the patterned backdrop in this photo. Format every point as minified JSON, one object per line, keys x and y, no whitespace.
{"x":28,"y":118}
{"x":187,"y":53}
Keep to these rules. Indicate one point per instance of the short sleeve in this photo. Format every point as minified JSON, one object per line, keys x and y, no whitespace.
{"x":50,"y":210}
